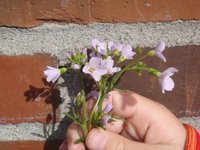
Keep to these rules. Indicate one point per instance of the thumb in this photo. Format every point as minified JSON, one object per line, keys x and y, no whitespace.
{"x":99,"y":139}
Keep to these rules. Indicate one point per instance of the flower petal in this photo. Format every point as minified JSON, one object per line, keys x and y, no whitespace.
{"x":95,"y":42}
{"x":94,"y":94}
{"x":105,"y":120}
{"x":169,"y":72}
{"x":108,"y":108}
{"x":86,"y":69}
{"x":166,"y":84}
{"x":110,"y":62}
{"x":96,"y":76}
{"x":112,"y":46}
{"x":52,"y":74}
{"x":161,"y":56}
{"x":165,"y":81}
{"x":160,"y":47}
{"x":115,"y":69}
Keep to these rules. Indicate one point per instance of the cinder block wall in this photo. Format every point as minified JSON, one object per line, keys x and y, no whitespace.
{"x":35,"y":33}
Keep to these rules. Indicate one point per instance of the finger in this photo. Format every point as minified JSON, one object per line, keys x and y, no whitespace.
{"x":90,"y":104}
{"x":124,"y":103}
{"x":63,"y":146}
{"x":108,"y":140}
{"x":73,"y":134}
{"x":115,"y":126}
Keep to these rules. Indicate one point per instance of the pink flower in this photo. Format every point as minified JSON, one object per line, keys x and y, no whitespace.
{"x":165,"y":81}
{"x":94,"y":94}
{"x":158,"y":51}
{"x":96,"y":68}
{"x":52,"y":73}
{"x":126,"y":51}
{"x":105,"y":120}
{"x":112,"y":46}
{"x":106,"y":117}
{"x":110,"y":64}
{"x":108,"y":108}
{"x":100,"y":46}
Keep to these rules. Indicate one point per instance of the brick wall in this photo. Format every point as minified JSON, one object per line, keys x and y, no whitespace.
{"x":31,"y":110}
{"x":29,"y":13}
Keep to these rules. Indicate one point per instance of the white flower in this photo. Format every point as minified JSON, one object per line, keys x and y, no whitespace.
{"x":52,"y":73}
{"x":109,"y":65}
{"x":96,"y":68}
{"x":165,"y":81}
{"x":76,"y":66}
{"x":100,"y":46}
{"x":158,"y":51}
{"x":126,"y":51}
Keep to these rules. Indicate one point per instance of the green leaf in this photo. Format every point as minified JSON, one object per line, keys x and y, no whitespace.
{"x":70,"y":116}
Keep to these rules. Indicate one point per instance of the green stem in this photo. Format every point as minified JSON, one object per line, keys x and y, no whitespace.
{"x":84,"y":106}
{"x":95,"y":106}
{"x":130,"y":65}
{"x":101,"y":94}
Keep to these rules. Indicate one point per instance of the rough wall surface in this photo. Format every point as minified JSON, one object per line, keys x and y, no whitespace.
{"x":32,"y":114}
{"x":34,"y":109}
{"x":30,"y":13}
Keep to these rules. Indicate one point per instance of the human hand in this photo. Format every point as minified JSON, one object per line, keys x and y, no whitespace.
{"x":149,"y":125}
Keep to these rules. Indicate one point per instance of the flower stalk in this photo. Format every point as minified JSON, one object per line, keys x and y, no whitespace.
{"x":99,"y":65}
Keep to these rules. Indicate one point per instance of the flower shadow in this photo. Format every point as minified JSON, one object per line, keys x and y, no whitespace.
{"x":51,"y":96}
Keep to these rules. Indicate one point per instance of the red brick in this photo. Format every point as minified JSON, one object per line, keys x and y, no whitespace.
{"x":17,"y":13}
{"x":184,"y":99}
{"x":144,"y":10}
{"x":30,"y":145}
{"x":63,"y":10}
{"x":29,"y":13}
{"x":22,"y":87}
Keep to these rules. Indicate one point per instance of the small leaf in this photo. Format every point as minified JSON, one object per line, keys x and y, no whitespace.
{"x":70,"y":116}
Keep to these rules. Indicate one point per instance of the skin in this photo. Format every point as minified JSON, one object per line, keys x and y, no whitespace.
{"x":148,"y":125}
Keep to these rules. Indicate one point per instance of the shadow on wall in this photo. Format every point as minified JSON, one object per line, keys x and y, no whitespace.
{"x":51,"y":95}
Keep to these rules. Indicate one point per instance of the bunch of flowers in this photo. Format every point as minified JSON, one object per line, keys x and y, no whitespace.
{"x":103,"y":63}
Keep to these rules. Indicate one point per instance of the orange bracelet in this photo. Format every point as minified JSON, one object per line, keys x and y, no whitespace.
{"x":193,"y":138}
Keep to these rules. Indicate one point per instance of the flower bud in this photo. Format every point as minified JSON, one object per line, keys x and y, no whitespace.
{"x":151,"y":53}
{"x":63,"y":70}
{"x":121,"y":59}
{"x":117,"y":53}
